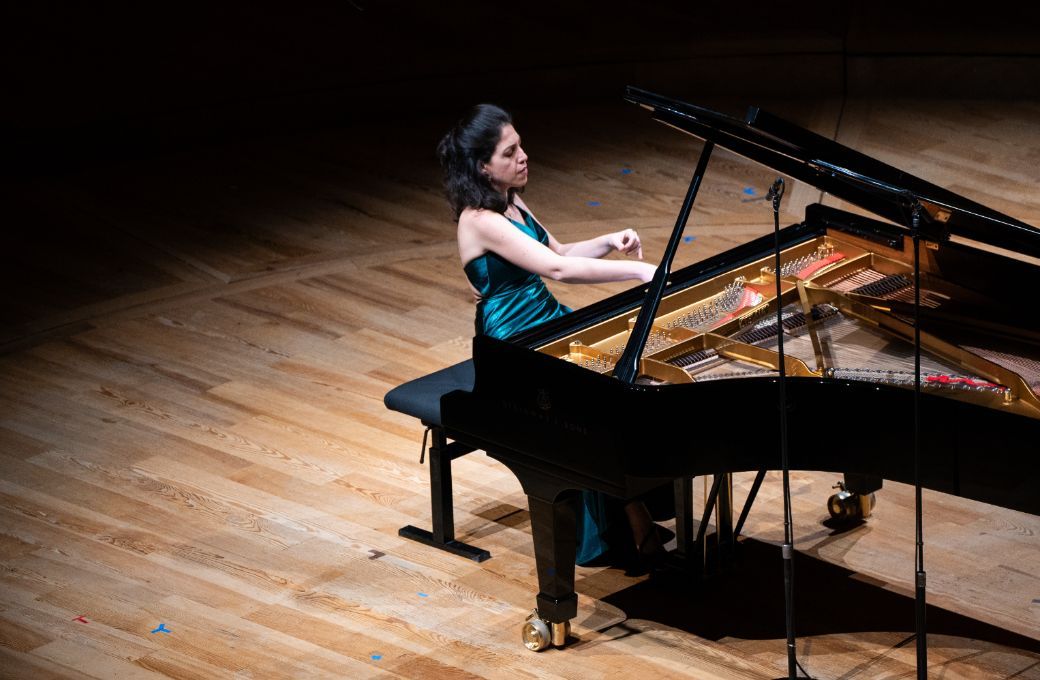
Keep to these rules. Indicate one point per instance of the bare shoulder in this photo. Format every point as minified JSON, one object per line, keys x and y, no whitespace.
{"x":474,"y":219}
{"x":480,"y":231}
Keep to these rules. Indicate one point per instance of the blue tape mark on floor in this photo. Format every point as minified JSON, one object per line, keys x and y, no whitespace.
{"x":688,"y":239}
{"x":593,"y":203}
{"x":750,"y":191}
{"x":422,"y":594}
{"x":377,"y":657}
{"x":626,"y":171}
{"x":162,"y":629}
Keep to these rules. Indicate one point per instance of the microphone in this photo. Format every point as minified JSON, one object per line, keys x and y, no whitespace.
{"x":776,"y":191}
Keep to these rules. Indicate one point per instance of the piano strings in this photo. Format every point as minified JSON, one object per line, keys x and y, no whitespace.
{"x":834,"y":345}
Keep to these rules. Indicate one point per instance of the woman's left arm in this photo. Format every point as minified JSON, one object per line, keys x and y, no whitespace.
{"x":625,"y":241}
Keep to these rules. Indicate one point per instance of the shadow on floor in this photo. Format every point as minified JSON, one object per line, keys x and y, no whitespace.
{"x":747,"y":602}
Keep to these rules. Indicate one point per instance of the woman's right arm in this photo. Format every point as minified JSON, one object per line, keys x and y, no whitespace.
{"x":492,"y":232}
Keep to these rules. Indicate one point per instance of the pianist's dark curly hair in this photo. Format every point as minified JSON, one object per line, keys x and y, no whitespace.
{"x":462,"y":151}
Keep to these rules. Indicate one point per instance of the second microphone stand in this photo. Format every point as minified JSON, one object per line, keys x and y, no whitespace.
{"x":776,"y":192}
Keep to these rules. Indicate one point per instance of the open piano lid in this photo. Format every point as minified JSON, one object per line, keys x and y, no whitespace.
{"x":846,"y":174}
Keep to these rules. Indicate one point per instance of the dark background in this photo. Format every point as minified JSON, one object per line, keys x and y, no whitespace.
{"x":90,"y":81}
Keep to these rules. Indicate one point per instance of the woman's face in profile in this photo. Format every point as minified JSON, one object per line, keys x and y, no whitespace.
{"x":508,"y":165}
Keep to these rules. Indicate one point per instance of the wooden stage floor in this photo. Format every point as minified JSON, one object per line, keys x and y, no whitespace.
{"x":200,"y":480}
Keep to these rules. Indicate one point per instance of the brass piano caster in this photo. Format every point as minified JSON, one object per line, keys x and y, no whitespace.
{"x":538,"y":633}
{"x":846,"y":506}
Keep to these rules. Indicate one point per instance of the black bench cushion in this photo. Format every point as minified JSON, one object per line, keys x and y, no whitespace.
{"x":421,"y":398}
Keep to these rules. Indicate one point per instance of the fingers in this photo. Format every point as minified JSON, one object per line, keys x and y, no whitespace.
{"x":630,"y":243}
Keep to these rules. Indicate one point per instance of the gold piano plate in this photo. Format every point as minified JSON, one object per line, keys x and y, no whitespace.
{"x":844,"y":306}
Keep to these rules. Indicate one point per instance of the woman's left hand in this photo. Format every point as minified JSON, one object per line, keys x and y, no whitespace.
{"x":627,"y":242}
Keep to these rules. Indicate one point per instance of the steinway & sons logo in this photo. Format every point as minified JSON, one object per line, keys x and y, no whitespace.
{"x":543,"y":412}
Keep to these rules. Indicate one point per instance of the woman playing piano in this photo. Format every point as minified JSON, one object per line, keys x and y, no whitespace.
{"x":505,"y":251}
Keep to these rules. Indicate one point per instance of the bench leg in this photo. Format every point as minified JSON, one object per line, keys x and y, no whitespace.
{"x":442,"y":512}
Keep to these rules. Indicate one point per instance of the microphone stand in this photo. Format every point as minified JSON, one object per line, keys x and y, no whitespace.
{"x":913,"y":204}
{"x":920,"y":603}
{"x":776,"y":192}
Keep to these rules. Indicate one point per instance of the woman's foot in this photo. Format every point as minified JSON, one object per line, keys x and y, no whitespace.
{"x":649,"y":538}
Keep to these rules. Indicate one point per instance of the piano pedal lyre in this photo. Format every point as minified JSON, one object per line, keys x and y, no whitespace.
{"x":538,"y":633}
{"x":846,"y":506}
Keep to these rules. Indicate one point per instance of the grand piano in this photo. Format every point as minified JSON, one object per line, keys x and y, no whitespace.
{"x":546,"y":403}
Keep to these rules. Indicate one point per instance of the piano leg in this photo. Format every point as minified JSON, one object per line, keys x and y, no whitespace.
{"x":862,"y":484}
{"x":554,"y":529}
{"x":855,"y":500}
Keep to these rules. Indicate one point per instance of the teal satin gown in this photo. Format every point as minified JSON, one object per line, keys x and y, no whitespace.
{"x":512,"y":300}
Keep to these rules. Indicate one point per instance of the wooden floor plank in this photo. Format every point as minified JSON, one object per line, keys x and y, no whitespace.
{"x":200,"y":440}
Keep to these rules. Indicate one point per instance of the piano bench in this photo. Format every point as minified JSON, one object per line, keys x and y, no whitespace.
{"x":421,"y":398}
